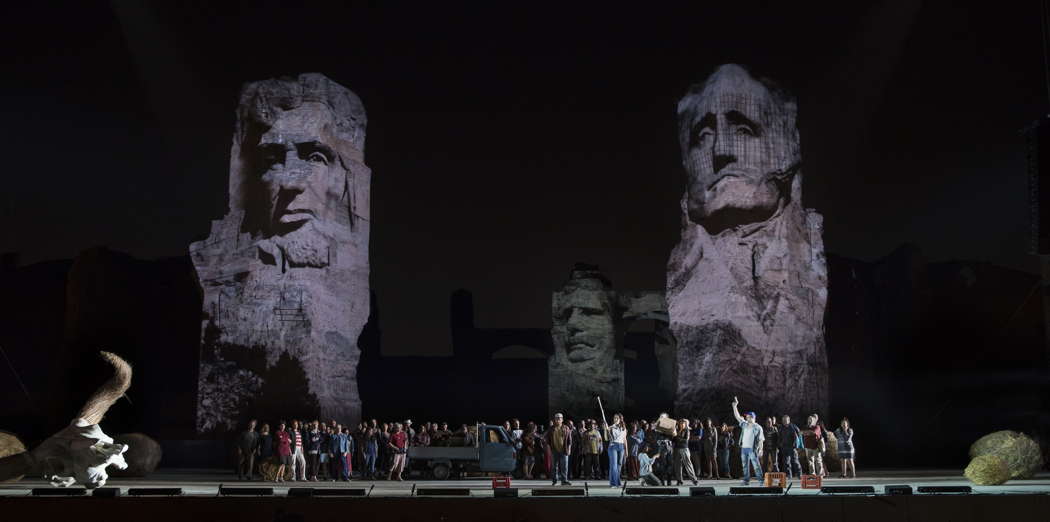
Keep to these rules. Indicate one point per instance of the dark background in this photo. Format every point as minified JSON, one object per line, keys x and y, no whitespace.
{"x":507,"y":144}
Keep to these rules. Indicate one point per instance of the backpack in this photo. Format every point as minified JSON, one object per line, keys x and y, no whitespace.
{"x":798,"y":437}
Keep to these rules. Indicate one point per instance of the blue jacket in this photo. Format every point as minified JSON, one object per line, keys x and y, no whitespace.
{"x":340,"y":443}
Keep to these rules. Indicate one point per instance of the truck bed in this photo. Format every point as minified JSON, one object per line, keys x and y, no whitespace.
{"x":443,"y":453}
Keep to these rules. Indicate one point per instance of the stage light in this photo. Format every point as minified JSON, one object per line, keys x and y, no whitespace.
{"x":505,"y":492}
{"x":340,"y":492}
{"x":897,"y":489}
{"x":106,"y":492}
{"x":702,"y":491}
{"x":559,"y":492}
{"x":945,"y":489}
{"x":245,"y":491}
{"x":300,"y":492}
{"x":759,"y":490}
{"x":154,"y":492}
{"x":854,"y":490}
{"x":58,"y":492}
{"x":443,"y":492}
{"x":651,"y":491}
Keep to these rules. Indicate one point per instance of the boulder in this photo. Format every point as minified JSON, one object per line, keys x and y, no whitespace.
{"x":10,"y":445}
{"x":143,"y":455}
{"x":1020,"y":452}
{"x":987,"y":470}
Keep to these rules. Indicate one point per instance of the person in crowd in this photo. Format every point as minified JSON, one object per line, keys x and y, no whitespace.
{"x":529,"y":450}
{"x":664,"y":447}
{"x":844,"y":434}
{"x":635,"y":440}
{"x":386,"y":457}
{"x":559,"y":439}
{"x":647,"y":475}
{"x":298,"y":457}
{"x":422,"y":438}
{"x":312,"y":448}
{"x":371,"y":451}
{"x":771,"y":446}
{"x":358,"y":436}
{"x":726,"y":443}
{"x":247,"y":448}
{"x":444,"y":434}
{"x":337,"y":446}
{"x":592,"y":448}
{"x":682,"y":461}
{"x":284,"y":451}
{"x":824,"y":432}
{"x":617,"y":437}
{"x":752,"y":439}
{"x":710,"y":445}
{"x":265,"y":444}
{"x":516,"y":433}
{"x":398,"y":444}
{"x":576,"y":456}
{"x":696,"y":447}
{"x":790,"y":443}
{"x":324,"y":448}
{"x":813,"y":442}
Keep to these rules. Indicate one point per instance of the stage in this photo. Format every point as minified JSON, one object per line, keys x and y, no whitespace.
{"x":473,"y":499}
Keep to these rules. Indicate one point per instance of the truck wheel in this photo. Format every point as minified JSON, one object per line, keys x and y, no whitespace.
{"x":440,"y":471}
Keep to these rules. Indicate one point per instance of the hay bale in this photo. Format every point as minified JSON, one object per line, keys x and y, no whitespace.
{"x":268,"y":469}
{"x":143,"y":455}
{"x":1020,"y":452}
{"x":10,"y":445}
{"x":987,"y":470}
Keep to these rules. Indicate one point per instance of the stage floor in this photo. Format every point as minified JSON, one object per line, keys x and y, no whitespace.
{"x":206,"y":483}
{"x":395,"y":502}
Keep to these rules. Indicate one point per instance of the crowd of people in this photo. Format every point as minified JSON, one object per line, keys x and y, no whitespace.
{"x":656,"y":452}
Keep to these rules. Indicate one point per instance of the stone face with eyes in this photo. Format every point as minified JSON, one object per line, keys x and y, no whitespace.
{"x":304,"y":184}
{"x":737,"y":140}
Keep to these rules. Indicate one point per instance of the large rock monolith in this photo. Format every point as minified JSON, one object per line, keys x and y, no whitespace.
{"x":285,"y":273}
{"x":747,"y":282}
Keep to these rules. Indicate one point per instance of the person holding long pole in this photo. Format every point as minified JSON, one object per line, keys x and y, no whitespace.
{"x":616,"y":434}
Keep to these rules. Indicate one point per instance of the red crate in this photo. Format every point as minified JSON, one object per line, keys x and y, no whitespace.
{"x":779,"y":478}
{"x":500,"y":482}
{"x":811,"y":482}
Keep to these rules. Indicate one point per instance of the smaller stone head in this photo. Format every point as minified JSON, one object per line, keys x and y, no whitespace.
{"x":584,"y":312}
{"x":740,"y":149}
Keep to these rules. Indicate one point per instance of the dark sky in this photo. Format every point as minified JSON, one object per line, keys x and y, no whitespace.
{"x":508,"y":143}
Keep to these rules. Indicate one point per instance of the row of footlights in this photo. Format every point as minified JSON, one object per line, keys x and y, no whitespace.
{"x":699,"y":491}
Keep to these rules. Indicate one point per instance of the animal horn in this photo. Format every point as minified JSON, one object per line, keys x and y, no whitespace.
{"x":95,"y":408}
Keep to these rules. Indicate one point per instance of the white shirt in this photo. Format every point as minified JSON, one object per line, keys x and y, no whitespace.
{"x":618,"y":434}
{"x":747,"y":434}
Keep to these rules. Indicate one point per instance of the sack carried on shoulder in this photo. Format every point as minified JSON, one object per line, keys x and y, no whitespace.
{"x":666,"y":425}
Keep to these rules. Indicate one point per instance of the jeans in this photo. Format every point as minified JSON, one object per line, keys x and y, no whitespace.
{"x":615,"y":459}
{"x":789,"y":463}
{"x":748,"y":455}
{"x":561,"y":467}
{"x":370,"y":462}
{"x":649,"y":480}
{"x":723,"y":461}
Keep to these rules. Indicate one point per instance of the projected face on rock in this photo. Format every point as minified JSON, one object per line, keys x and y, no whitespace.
{"x":739,"y":147}
{"x":304,"y":183}
{"x":588,"y":326}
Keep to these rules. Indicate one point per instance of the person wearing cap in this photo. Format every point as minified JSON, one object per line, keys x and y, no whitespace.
{"x":751,"y":439}
{"x":559,"y":440}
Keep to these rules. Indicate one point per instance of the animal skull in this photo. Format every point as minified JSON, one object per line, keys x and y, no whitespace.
{"x":79,"y":453}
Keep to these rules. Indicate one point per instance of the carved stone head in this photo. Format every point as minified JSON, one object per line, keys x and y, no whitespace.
{"x":584,"y":314}
{"x":296,"y":144}
{"x":740,"y":149}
